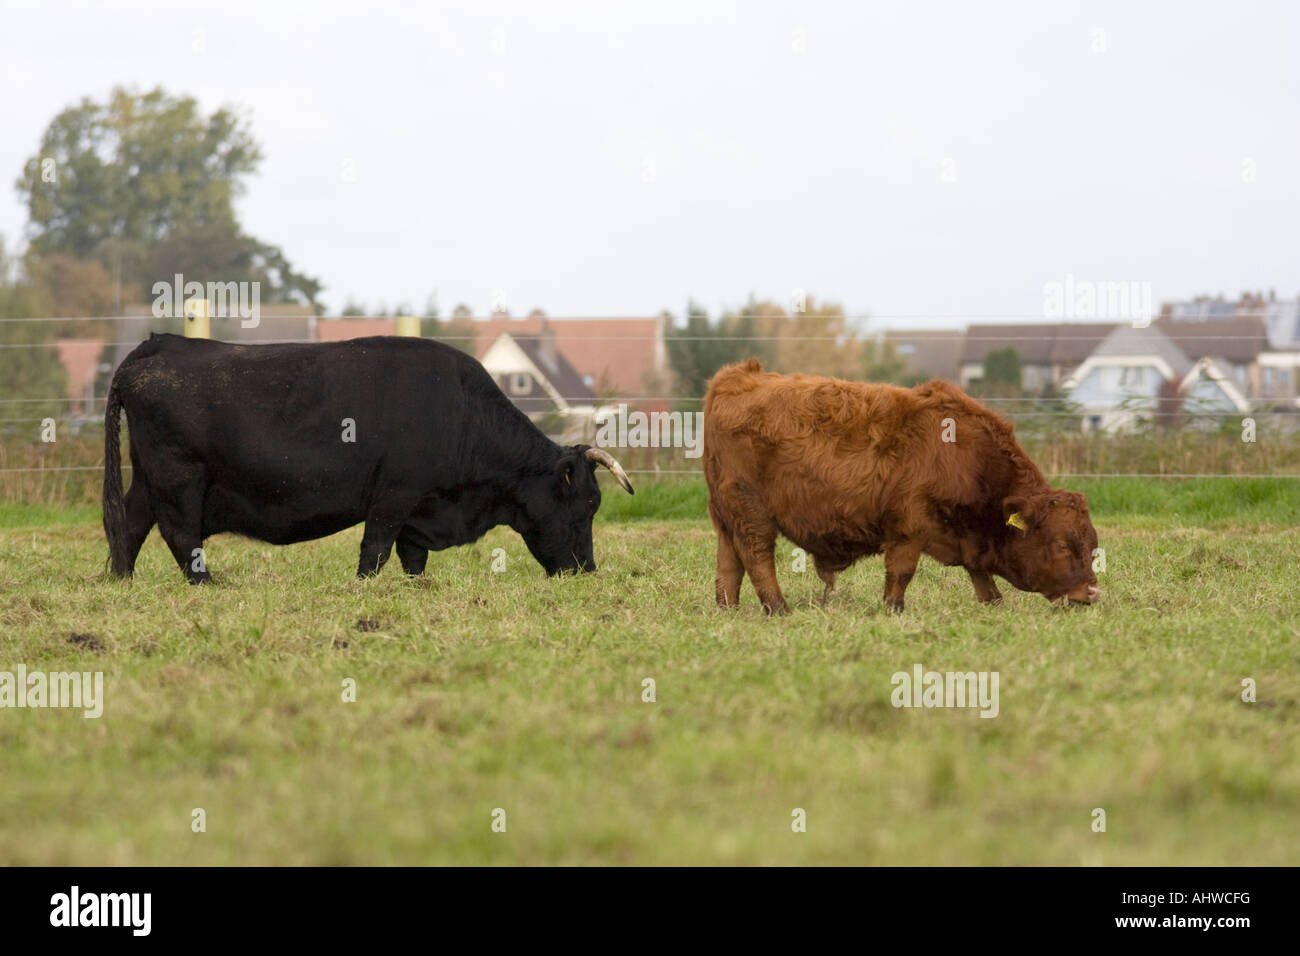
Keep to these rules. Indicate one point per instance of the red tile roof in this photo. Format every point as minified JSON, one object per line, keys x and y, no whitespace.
{"x":620,"y":355}
{"x":337,"y":330}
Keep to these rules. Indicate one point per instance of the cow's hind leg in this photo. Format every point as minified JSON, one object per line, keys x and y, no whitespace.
{"x":412,"y":556}
{"x":731,"y":571}
{"x":900,"y":566}
{"x":180,"y":520}
{"x":139,"y":522}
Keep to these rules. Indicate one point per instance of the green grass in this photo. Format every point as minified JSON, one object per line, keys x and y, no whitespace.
{"x":45,"y":516}
{"x":478,"y":690}
{"x":1131,"y":502}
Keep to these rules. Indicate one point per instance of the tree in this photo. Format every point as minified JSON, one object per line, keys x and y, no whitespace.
{"x":459,"y":332}
{"x":701,"y":347}
{"x":145,"y":184}
{"x":429,"y":320}
{"x":67,"y":286}
{"x":818,"y":341}
{"x":221,"y":254}
{"x":136,"y":167}
{"x":882,"y":363}
{"x":1002,"y":374}
{"x":29,"y":366}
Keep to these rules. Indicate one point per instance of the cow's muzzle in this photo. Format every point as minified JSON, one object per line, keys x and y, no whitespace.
{"x":1088,"y":594}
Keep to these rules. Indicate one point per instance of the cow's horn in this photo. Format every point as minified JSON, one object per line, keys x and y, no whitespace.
{"x":602,"y":457}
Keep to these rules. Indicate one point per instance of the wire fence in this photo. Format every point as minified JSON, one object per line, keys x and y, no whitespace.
{"x":700,"y":472}
{"x":1041,"y":415}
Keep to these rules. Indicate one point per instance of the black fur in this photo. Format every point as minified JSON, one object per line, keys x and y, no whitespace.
{"x":249,"y":440}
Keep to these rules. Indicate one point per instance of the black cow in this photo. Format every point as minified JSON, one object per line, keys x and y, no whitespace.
{"x":286,"y":443}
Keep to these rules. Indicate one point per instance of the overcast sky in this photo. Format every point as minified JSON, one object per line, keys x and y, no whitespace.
{"x":921,"y":162}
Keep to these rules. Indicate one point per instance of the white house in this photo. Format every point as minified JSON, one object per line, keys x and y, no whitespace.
{"x":1139,"y":372}
{"x":539,"y":380}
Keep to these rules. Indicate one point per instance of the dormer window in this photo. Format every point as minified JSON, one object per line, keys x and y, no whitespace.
{"x":520,"y":383}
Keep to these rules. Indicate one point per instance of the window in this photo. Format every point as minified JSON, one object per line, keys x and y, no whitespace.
{"x":1132,"y":376}
{"x":521,"y":383}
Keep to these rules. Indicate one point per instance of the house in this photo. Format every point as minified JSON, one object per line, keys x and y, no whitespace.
{"x":539,"y":380}
{"x":928,"y":353}
{"x":1279,"y":379}
{"x":339,"y":330}
{"x":1198,"y":309}
{"x":1049,"y":352}
{"x":1282,"y":321}
{"x":1138,"y":372}
{"x":81,"y":361}
{"x":1234,"y":342}
{"x":627,"y":357}
{"x":1273,"y":371}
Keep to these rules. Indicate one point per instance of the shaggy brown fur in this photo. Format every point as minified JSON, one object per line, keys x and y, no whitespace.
{"x":846,"y":469}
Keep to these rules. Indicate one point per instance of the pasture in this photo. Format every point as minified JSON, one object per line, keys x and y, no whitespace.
{"x":479,"y":689}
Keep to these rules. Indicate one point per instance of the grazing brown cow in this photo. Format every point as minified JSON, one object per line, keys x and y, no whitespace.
{"x":845,"y":469}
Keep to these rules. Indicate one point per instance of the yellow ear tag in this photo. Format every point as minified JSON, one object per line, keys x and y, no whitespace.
{"x":567,"y":479}
{"x":1016,"y":521}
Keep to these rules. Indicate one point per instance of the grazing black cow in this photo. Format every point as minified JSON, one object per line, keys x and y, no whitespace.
{"x":286,"y":443}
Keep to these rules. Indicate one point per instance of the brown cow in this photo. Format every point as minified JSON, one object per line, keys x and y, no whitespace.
{"x":845,"y":469}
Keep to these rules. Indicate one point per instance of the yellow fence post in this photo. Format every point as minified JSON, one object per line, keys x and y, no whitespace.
{"x":408,"y":325}
{"x":196,"y":319}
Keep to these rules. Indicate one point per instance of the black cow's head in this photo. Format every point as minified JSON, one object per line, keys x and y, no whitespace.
{"x":555,"y":510}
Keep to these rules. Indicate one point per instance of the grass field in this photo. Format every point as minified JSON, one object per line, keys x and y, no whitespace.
{"x":478,"y":690}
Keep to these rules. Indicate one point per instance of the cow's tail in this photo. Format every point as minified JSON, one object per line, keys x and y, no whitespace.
{"x":119,"y":561}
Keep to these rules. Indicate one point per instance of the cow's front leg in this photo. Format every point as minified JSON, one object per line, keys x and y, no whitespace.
{"x":377,"y":544}
{"x":757,"y":549}
{"x":900,"y":566}
{"x":985,"y":589}
{"x":180,"y":521}
{"x":412,"y":556}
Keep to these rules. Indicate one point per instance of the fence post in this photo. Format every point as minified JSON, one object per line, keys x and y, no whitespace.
{"x":408,"y":325}
{"x":196,"y":319}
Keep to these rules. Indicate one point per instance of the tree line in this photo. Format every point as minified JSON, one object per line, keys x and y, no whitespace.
{"x":141,"y":186}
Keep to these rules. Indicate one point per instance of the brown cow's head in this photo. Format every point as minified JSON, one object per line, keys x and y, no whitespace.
{"x":1048,"y":546}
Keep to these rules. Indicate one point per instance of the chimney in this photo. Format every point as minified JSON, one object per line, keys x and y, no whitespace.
{"x":546,"y":346}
